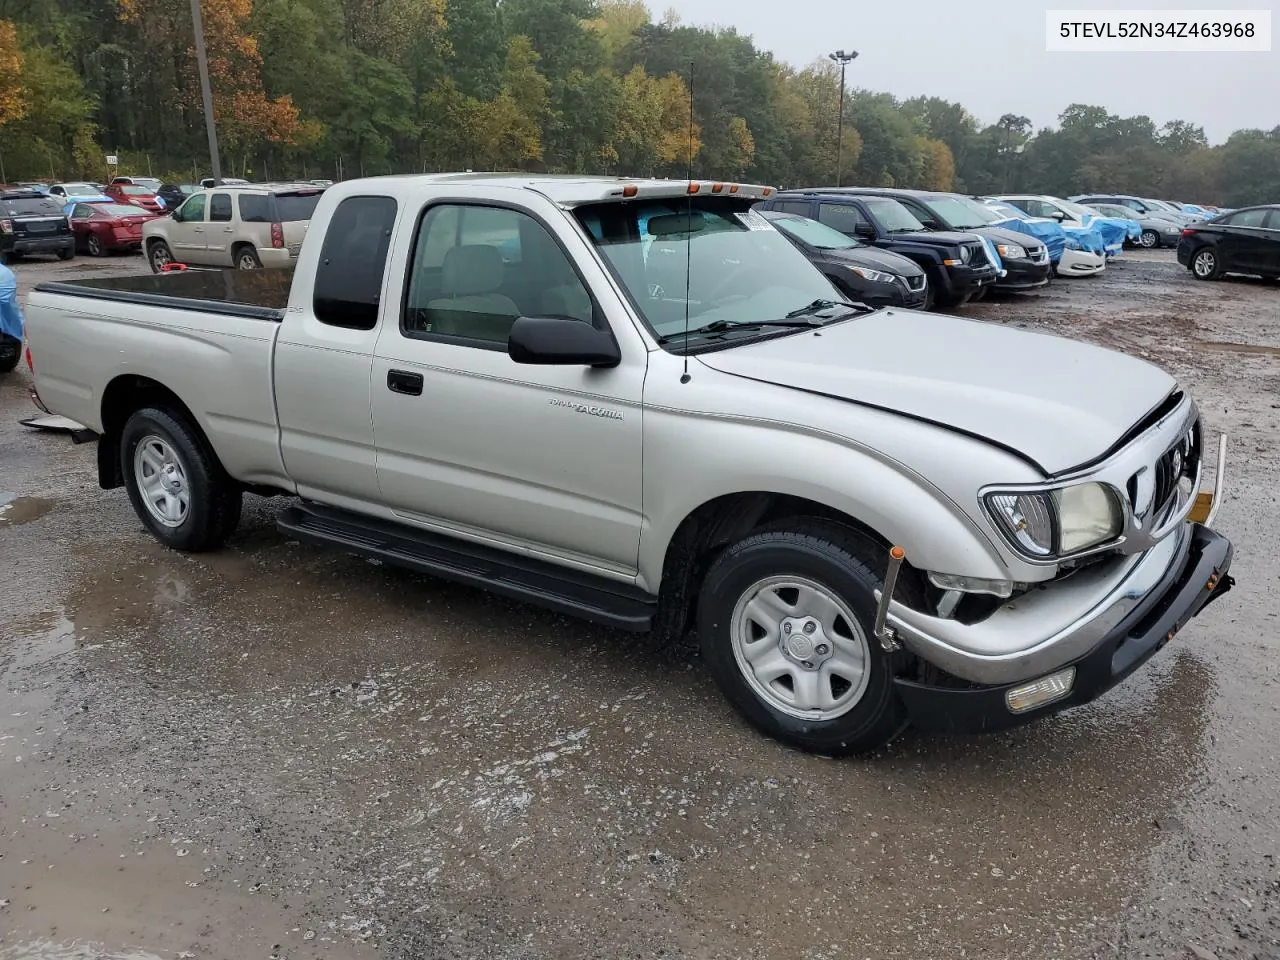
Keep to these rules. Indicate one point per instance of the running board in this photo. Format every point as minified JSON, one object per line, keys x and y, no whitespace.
{"x":566,"y":591}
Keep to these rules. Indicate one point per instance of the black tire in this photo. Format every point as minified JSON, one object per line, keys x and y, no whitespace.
{"x":67,"y":253}
{"x":246,"y":258}
{"x":1150,"y":240}
{"x":845,"y":563}
{"x":158,"y":254}
{"x":1205,"y":264}
{"x":94,"y":246}
{"x":10,"y":353}
{"x":214,"y":498}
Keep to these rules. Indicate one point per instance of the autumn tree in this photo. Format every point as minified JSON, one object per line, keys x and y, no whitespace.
{"x":12,"y":93}
{"x":939,"y":169}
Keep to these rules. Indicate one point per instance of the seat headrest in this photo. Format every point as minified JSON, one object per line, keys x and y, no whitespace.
{"x":475,"y":268}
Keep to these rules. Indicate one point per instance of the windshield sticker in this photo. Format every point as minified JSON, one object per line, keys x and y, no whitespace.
{"x":753,"y":221}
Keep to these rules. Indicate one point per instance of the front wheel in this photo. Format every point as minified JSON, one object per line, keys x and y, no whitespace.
{"x":10,"y":353}
{"x":94,"y":245}
{"x":176,"y":485}
{"x":159,"y":256}
{"x":1205,"y":264}
{"x":786,"y":619}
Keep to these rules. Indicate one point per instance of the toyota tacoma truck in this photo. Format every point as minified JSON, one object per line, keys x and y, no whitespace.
{"x":634,"y":401}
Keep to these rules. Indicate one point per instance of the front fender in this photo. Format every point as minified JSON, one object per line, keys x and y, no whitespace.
{"x":717,"y":455}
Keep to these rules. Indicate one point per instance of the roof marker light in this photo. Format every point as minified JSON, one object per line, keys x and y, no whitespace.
{"x":693,"y":186}
{"x":717,"y":187}
{"x":733,"y":188}
{"x":630,"y":190}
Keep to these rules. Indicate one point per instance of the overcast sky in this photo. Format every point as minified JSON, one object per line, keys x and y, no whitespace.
{"x":990,"y":56}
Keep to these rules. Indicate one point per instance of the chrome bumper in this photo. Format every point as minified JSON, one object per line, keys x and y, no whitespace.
{"x":1050,"y":627}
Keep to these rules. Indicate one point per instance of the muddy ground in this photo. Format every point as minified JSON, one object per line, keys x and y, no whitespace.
{"x":277,"y":751}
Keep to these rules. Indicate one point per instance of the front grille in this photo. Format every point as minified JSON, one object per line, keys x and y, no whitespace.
{"x":1175,"y":468}
{"x":978,"y":254}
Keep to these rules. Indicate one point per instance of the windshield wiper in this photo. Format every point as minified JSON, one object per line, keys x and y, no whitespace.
{"x":817,"y":306}
{"x":720,"y":326}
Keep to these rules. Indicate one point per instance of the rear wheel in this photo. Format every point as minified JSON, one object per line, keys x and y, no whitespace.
{"x":176,"y":485}
{"x":247,"y":258}
{"x":159,"y":256}
{"x":1205,"y":264}
{"x":94,"y":246}
{"x":786,"y":619}
{"x":10,"y":352}
{"x":67,"y":253}
{"x":1149,"y":239}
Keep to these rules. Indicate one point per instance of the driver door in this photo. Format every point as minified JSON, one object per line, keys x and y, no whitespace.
{"x":543,"y":459}
{"x":186,"y":230}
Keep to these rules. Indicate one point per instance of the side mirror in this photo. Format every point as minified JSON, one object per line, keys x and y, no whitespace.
{"x":561,"y":341}
{"x":176,"y":214}
{"x":864,"y":231}
{"x":1058,"y":215}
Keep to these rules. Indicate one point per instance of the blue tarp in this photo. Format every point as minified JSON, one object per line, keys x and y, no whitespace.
{"x":992,"y":255}
{"x":1113,"y":230}
{"x":1087,"y":238}
{"x":1046,"y":231}
{"x":87,"y":198}
{"x":10,"y":312}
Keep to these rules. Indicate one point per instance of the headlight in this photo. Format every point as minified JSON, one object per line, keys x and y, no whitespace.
{"x":965,"y":254}
{"x":1057,"y":523}
{"x":1071,"y":243}
{"x":1011,"y":251}
{"x":875,"y":276}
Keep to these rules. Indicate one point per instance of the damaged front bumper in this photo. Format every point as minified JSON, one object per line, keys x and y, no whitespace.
{"x":1066,"y":643}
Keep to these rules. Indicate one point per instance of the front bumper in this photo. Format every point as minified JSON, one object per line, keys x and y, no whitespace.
{"x":1080,"y":263}
{"x":1147,"y":620}
{"x":1024,"y":274}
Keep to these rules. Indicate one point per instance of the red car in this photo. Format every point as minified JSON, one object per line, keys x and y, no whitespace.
{"x":138,"y":196}
{"x":102,"y":227}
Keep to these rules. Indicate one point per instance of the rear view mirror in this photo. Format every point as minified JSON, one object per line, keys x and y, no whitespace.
{"x":561,"y":341}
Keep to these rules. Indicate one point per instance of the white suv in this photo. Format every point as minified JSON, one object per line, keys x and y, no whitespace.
{"x":246,"y":227}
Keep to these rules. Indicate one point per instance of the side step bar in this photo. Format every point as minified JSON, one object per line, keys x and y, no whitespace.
{"x":528,"y":579}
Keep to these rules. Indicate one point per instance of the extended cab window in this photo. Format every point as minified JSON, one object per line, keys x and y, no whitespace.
{"x":353,"y":259}
{"x":220,"y":208}
{"x":476,"y":268}
{"x":792,"y":206}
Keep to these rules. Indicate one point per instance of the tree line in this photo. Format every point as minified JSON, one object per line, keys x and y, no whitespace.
{"x":343,"y":88}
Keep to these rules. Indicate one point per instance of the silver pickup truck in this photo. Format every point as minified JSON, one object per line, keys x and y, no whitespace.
{"x":635,"y":402}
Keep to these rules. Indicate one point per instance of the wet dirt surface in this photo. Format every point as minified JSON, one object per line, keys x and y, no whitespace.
{"x":276,"y":751}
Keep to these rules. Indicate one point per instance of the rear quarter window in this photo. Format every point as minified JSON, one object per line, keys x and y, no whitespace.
{"x":254,"y":208}
{"x":292,"y":207}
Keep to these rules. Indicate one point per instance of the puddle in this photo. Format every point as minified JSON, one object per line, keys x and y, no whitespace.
{"x":15,"y":510}
{"x":48,"y":950}
{"x":1243,"y":348}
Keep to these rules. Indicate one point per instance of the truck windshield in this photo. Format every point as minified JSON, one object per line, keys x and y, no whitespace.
{"x":893,"y":216}
{"x":731,"y":261}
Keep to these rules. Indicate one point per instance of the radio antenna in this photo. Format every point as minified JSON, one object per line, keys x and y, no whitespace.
{"x":688,"y":239}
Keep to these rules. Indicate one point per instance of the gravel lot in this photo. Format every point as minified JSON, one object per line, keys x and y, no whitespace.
{"x":277,"y":751}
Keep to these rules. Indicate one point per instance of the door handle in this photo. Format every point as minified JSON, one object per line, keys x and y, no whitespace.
{"x":402,"y":381}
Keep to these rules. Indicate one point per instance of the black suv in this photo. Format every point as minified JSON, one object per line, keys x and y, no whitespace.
{"x":1024,"y":258}
{"x":956,"y":264}
{"x":32,"y":222}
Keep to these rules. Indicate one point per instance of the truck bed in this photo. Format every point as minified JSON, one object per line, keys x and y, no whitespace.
{"x":252,"y":294}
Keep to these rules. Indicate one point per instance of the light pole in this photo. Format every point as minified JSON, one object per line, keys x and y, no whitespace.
{"x":844,"y":59}
{"x":202,"y":61}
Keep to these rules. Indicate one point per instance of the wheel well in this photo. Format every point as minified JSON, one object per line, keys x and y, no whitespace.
{"x":715,"y":525}
{"x":123,"y":397}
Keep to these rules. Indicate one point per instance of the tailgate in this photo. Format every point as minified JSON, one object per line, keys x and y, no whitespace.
{"x":38,"y":228}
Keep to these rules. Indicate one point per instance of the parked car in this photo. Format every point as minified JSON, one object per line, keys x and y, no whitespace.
{"x":868,"y":517}
{"x":1025,"y":262}
{"x":1075,"y":259}
{"x":1075,"y":219}
{"x":1243,"y":241}
{"x":32,"y":222}
{"x":153,"y":183}
{"x":956,"y":264}
{"x":101,"y":228}
{"x":36,"y":186}
{"x":69,"y":191}
{"x":878,"y":278}
{"x":243,"y":227}
{"x":175,"y":194}
{"x":1156,"y":232}
{"x":136,"y":194}
{"x":1137,"y":204}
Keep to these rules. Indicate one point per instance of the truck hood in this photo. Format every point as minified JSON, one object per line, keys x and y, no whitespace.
{"x":874,"y":259}
{"x":936,"y":238}
{"x":1057,"y":402}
